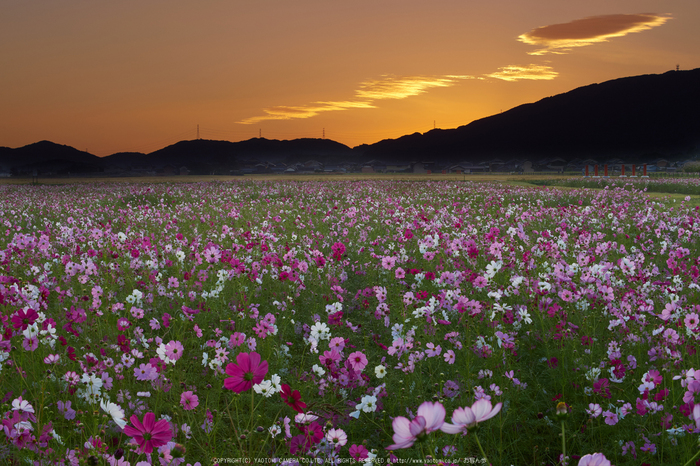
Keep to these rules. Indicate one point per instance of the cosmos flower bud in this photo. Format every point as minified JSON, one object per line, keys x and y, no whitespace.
{"x":562,"y":411}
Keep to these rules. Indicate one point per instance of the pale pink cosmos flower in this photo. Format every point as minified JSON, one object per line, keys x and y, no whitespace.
{"x":594,"y":410}
{"x":467,"y":418}
{"x":596,"y":459}
{"x":430,"y":417}
{"x":696,"y":415}
{"x":337,"y":437}
{"x":449,"y":357}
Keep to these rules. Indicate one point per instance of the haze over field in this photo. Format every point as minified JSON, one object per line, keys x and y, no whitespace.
{"x":134,"y":76}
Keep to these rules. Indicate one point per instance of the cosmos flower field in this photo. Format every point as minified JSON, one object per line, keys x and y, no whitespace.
{"x":339,"y":322}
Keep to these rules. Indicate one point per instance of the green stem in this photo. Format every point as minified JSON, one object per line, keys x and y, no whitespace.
{"x":250,"y":423}
{"x":481,"y":449}
{"x":422,"y":452}
{"x":563,"y":443}
{"x":692,"y":459}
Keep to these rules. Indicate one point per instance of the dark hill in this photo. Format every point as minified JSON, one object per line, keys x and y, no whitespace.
{"x":46,"y":156}
{"x":640,"y":117}
{"x":201,"y":155}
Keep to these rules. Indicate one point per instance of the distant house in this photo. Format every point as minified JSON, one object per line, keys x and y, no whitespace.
{"x":466,"y":168}
{"x":333,"y":169}
{"x":556,"y":164}
{"x":398,"y":167}
{"x":367,"y":169}
{"x":184,"y":171}
{"x":527,"y":167}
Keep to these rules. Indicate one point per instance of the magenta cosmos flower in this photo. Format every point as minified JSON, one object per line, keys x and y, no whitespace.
{"x":430,"y":417}
{"x":248,"y":372}
{"x":596,"y":459}
{"x":149,"y":434}
{"x":467,"y":418}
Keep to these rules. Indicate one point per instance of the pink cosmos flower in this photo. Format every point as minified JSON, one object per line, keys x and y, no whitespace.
{"x":173,"y":350}
{"x":189,"y":400}
{"x":430,"y":417}
{"x":236,"y":339}
{"x":358,"y":361}
{"x":145,"y":372}
{"x":610,"y":418}
{"x":248,"y":372}
{"x":149,"y":434}
{"x":388,"y":262}
{"x":467,"y":418}
{"x":449,"y":357}
{"x":596,"y":459}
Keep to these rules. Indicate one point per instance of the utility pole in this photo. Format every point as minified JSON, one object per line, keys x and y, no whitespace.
{"x":678,"y":67}
{"x":260,"y":132}
{"x":197,"y":131}
{"x":324,"y":133}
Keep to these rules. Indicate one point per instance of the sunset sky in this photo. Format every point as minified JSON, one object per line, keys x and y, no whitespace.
{"x":113,"y":76}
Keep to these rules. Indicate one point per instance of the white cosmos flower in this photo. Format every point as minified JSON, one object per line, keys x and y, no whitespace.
{"x":525,"y":316}
{"x":264,"y":388}
{"x":368,"y":404}
{"x":22,"y":405}
{"x":320,"y":331}
{"x":115,"y":411}
{"x":380,"y":371}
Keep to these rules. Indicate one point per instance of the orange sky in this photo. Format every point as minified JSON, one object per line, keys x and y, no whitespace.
{"x":139,"y":75}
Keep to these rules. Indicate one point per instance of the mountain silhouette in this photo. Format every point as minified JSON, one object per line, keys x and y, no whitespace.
{"x":636,"y":118}
{"x":640,"y":117}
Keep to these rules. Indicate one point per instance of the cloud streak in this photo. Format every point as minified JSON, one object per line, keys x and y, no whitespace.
{"x":561,"y":38}
{"x":530,"y":72}
{"x":304,"y":111}
{"x":389,"y":87}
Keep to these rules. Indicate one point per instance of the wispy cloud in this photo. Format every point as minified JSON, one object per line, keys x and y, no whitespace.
{"x":516,"y":73}
{"x":304,"y":111}
{"x":388,"y":87}
{"x":560,"y":38}
{"x":400,"y":87}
